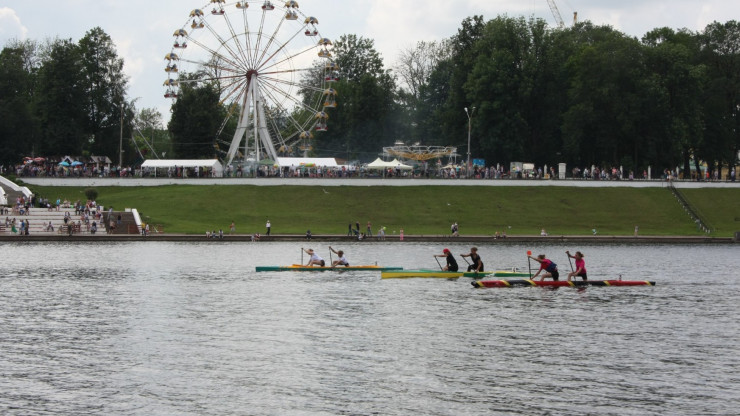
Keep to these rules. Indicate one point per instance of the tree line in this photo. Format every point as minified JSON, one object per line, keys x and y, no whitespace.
{"x":583,"y":95}
{"x":62,"y":97}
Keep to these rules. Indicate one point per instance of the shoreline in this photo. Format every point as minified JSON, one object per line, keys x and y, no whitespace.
{"x":165,"y":237}
{"x":364,"y":182}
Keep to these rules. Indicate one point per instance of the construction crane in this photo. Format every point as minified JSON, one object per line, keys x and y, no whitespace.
{"x":557,"y":16}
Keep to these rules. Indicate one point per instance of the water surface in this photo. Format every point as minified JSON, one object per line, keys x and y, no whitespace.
{"x":190,"y":328}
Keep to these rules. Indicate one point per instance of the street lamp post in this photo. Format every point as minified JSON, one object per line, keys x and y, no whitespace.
{"x":120,"y":144}
{"x":470,"y":118}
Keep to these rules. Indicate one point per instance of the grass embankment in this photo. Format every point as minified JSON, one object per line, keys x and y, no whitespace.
{"x":427,"y":210}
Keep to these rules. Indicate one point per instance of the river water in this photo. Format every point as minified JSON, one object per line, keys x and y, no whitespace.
{"x":151,"y":328}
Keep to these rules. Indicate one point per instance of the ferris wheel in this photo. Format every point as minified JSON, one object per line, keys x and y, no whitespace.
{"x":272,"y":67}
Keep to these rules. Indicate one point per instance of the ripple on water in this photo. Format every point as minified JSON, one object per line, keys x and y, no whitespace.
{"x":164,"y":328}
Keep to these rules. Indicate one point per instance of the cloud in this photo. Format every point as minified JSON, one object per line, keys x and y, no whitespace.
{"x":11,"y":26}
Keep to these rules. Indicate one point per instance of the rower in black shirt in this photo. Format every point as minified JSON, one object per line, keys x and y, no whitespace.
{"x":477,"y":263}
{"x":451,"y":262}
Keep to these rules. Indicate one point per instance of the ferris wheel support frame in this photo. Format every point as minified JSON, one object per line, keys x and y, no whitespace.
{"x":252,"y":114}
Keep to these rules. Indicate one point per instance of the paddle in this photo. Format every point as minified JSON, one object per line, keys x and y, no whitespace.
{"x":567,"y":253}
{"x":440,"y":265}
{"x":466,"y":260}
{"x":529,"y":253}
{"x":301,"y":256}
{"x":469,"y":264}
{"x":330,"y":259}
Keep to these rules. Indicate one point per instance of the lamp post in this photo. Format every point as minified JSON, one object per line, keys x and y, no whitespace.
{"x":120,"y":144}
{"x":470,"y":119}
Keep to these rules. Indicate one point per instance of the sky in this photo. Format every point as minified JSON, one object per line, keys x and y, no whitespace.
{"x":142,"y":29}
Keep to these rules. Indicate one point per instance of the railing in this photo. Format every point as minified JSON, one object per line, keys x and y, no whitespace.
{"x":692,"y":211}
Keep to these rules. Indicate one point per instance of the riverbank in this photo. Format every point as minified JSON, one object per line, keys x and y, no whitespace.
{"x":419,"y":207}
{"x":365,"y":182}
{"x":336,"y":238}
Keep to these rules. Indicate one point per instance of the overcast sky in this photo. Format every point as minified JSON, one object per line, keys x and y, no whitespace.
{"x":142,"y":30}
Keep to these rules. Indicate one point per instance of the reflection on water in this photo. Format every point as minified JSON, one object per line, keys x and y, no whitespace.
{"x":166,"y":328}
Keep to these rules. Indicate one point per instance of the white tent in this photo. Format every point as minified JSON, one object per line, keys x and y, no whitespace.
{"x":325,"y":162}
{"x":378,"y":164}
{"x":394,"y":164}
{"x":213,"y":164}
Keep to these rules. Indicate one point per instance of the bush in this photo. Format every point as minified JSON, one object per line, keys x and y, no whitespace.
{"x":91,"y":194}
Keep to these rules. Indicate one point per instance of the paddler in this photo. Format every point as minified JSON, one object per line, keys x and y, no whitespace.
{"x":315,"y":260}
{"x":477,"y":263}
{"x":451,"y":262}
{"x":580,"y":266}
{"x":550,"y":268}
{"x":341,"y":261}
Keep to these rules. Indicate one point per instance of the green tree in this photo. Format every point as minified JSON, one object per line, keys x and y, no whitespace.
{"x":18,"y":126}
{"x":104,"y":88}
{"x":149,"y":134}
{"x":196,"y":117}
{"x":449,"y":124}
{"x":365,"y":118}
{"x":605,"y":98}
{"x":510,"y":81}
{"x":677,"y":80}
{"x":60,"y":99}
{"x":720,"y":46}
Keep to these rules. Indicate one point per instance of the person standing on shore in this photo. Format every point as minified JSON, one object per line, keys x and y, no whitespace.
{"x":580,"y":266}
{"x":550,"y":268}
{"x":369,"y":231}
{"x":232,"y":228}
{"x":268,"y":226}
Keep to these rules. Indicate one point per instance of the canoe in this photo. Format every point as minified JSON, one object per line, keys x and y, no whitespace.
{"x":303,"y":268}
{"x":559,"y":283}
{"x":400,"y":274}
{"x":510,"y":273}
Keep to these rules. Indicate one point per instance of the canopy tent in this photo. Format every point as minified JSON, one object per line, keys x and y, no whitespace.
{"x":212,"y":164}
{"x":394,"y":164}
{"x":378,"y":164}
{"x":295,"y":162}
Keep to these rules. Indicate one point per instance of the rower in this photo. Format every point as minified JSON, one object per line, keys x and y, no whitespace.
{"x":451,"y":262}
{"x":550,"y":268}
{"x":315,"y":260}
{"x":477,"y":265}
{"x":341,"y":261}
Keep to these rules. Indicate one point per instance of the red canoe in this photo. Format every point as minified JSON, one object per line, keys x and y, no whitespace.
{"x":560,"y":283}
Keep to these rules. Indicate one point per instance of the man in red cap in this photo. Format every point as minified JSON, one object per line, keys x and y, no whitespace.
{"x":451,"y":262}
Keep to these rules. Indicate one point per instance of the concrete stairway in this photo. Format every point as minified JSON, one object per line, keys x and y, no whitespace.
{"x":39,"y":219}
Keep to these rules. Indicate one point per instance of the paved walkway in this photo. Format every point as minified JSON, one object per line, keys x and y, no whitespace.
{"x":411,"y":239}
{"x":88,"y":182}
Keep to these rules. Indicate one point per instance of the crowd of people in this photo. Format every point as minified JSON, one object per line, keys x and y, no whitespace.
{"x":340,"y":172}
{"x":86,"y":215}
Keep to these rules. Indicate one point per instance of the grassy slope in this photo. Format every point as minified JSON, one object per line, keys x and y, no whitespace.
{"x":419,"y":210}
{"x":720,"y":207}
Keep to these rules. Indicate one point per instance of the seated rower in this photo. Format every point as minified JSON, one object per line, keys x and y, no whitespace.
{"x":341,"y":261}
